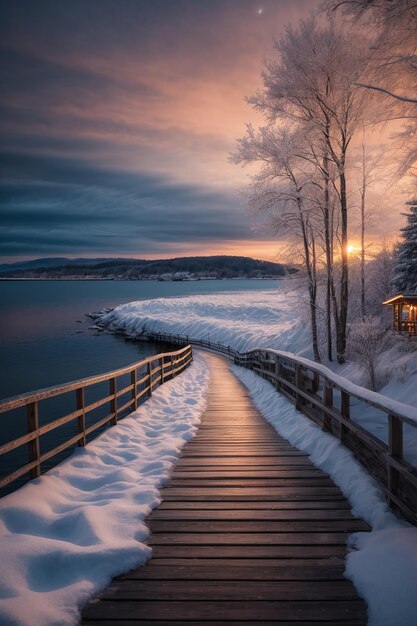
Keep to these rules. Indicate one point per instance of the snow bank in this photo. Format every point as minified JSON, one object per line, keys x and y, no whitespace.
{"x":248,"y":319}
{"x":325,"y":450}
{"x":66,"y":534}
{"x":383,"y":563}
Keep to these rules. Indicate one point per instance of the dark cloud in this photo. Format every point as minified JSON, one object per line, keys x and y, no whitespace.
{"x":117,"y":118}
{"x":54,"y":203}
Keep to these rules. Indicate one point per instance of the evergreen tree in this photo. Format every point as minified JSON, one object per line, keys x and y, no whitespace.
{"x":405,"y":277}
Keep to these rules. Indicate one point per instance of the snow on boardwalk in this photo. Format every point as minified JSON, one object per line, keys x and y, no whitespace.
{"x":248,"y":531}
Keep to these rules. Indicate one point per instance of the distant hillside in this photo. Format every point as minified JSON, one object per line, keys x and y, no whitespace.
{"x":51,"y":262}
{"x":185,"y":268}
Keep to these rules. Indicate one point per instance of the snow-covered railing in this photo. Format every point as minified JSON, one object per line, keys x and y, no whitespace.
{"x":89,"y":395}
{"x":332,"y":402}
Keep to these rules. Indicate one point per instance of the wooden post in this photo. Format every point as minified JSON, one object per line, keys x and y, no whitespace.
{"x":345,"y":412}
{"x":395,"y":451}
{"x":133,"y":381}
{"x":150,"y":378}
{"x":277,"y":373}
{"x":80,"y":394}
{"x":315,"y":382}
{"x":162,"y":361}
{"x":113,"y":401}
{"x":298,"y":384}
{"x":328,"y":402}
{"x":34,"y":447}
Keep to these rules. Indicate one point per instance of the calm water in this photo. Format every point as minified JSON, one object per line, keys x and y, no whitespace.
{"x":46,"y":339}
{"x":44,"y":332}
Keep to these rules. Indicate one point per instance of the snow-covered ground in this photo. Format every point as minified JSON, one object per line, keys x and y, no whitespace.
{"x":65,"y":535}
{"x":244,"y":320}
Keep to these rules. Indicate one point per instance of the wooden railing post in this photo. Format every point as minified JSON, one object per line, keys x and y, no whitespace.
{"x":395,"y":451}
{"x":298,"y":384}
{"x":150,"y":378}
{"x":344,"y":411}
{"x":315,"y":382}
{"x":277,"y":373}
{"x":133,"y":381}
{"x":328,"y":402}
{"x":80,"y":395}
{"x":34,"y":447}
{"x":162,"y":361}
{"x":113,"y":401}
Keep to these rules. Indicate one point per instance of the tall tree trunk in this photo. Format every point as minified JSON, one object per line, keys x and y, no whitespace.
{"x":313,"y":298}
{"x":310,"y":263}
{"x":344,"y":279}
{"x":329,"y":255}
{"x":363,"y":197}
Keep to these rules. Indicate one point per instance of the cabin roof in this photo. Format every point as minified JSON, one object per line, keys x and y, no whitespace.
{"x":406,"y":298}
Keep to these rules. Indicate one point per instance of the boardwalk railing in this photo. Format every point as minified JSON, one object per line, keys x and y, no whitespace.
{"x":142,"y":377}
{"x":333,"y":402}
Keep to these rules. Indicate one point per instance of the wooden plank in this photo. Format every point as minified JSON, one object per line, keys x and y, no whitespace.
{"x":200,"y":483}
{"x":275,"y":526}
{"x":250,"y":538}
{"x":229,"y":572}
{"x":281,"y":505}
{"x":162,"y":513}
{"x":250,"y":563}
{"x":330,"y":611}
{"x":245,"y":474}
{"x":246,"y":462}
{"x":221,"y":590}
{"x":250,"y":552}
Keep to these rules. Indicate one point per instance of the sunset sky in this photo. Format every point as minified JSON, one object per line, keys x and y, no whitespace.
{"x":117,"y":119}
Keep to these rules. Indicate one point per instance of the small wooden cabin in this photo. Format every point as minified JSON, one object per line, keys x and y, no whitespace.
{"x":404,"y":313}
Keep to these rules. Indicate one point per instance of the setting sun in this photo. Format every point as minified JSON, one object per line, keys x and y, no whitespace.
{"x":352,"y":249}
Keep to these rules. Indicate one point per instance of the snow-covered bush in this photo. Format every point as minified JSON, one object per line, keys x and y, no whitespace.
{"x":367,"y":341}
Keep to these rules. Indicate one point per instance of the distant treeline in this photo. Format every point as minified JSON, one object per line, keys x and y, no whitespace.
{"x":138,"y":269}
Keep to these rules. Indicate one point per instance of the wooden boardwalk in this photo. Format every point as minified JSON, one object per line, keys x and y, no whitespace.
{"x":249,"y":532}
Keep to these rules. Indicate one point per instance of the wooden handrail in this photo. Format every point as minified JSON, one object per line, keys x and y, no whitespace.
{"x":316,"y":391}
{"x":170,"y":364}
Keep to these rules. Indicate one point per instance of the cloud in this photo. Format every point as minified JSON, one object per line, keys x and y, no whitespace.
{"x":117,"y":119}
{"x":59,"y":203}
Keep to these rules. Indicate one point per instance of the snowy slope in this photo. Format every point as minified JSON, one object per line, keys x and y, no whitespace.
{"x":66,"y":534}
{"x":244,"y":320}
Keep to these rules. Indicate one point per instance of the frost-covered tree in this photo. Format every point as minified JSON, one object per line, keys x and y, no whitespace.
{"x":391,"y":71}
{"x":313,"y":82}
{"x":367,"y":341}
{"x":405,"y":279}
{"x":282,"y":189}
{"x":380,"y":278}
